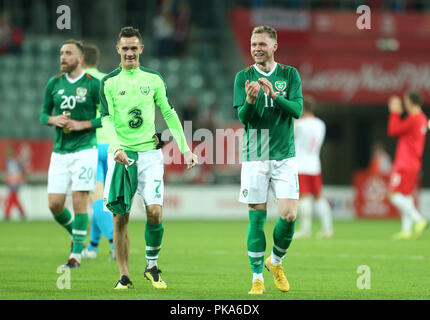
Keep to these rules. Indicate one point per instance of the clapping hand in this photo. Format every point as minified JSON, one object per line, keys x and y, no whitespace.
{"x":251,"y":89}
{"x":267,"y":87}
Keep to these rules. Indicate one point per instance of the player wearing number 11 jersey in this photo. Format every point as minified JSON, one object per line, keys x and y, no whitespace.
{"x":70,"y":104}
{"x":268,"y":96}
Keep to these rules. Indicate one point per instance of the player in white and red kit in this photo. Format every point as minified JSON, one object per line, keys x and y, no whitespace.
{"x":309,"y":133}
{"x":411,"y":132}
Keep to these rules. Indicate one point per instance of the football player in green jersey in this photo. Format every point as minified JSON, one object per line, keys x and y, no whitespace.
{"x":268,"y":96}
{"x":70,"y":105}
{"x":128,"y":96}
{"x":101,"y":220}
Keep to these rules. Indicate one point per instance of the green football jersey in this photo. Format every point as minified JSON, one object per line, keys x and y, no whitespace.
{"x":100,"y":133}
{"x":128,"y":99}
{"x":79,"y":96}
{"x":269,"y":126}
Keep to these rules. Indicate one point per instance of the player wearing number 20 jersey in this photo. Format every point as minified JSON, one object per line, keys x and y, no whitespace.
{"x":70,"y":104}
{"x":79,"y":96}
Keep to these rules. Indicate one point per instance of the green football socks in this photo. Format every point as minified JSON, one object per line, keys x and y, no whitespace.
{"x":153,"y":238}
{"x":256,"y":239}
{"x":65,"y":218}
{"x":79,"y":232}
{"x":282,"y":237}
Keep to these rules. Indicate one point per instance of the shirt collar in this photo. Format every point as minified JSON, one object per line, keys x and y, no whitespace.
{"x":130,"y":71}
{"x":75,"y":79}
{"x":267,"y":74}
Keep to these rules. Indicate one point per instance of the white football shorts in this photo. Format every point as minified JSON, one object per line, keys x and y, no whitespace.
{"x":150,"y":171}
{"x":73,"y":171}
{"x":258,"y":177}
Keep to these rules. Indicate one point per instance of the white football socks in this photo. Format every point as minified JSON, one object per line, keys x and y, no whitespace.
{"x":275,"y":260}
{"x":413,"y":212}
{"x":323,"y":210}
{"x":151,"y":263}
{"x":257,"y":276}
{"x":305,"y":215}
{"x":410,"y":215}
{"x":76,"y":256}
{"x":406,"y":223}
{"x":399,"y":201}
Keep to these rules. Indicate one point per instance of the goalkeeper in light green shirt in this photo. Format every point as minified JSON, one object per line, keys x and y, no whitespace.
{"x":128,"y":96}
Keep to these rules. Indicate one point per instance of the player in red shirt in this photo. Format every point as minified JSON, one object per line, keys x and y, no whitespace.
{"x":411,"y":133}
{"x":15,"y":173}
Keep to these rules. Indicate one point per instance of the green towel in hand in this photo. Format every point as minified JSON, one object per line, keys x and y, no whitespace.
{"x":123,"y":185}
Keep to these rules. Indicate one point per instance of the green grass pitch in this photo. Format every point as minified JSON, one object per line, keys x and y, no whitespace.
{"x":207,"y":260}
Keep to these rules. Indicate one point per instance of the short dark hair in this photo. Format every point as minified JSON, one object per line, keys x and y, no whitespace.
{"x":128,"y":32}
{"x":308,"y":103}
{"x":415,"y":97}
{"x":79,"y":44}
{"x":91,"y":55}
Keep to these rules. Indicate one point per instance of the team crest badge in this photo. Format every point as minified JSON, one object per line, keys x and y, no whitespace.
{"x":145,"y":90}
{"x":280,"y":85}
{"x":81,"y":93}
{"x":245,"y":193}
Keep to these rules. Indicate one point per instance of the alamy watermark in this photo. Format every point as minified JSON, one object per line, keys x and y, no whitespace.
{"x":64,"y":280}
{"x":64,"y":21}
{"x":364,"y":20}
{"x":224,"y":146}
{"x":364,"y":280}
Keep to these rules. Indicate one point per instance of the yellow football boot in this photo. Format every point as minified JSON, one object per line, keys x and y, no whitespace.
{"x":419,"y":228}
{"x":153,"y":275}
{"x":279,"y":278}
{"x":403,"y":236}
{"x":257,"y":287}
{"x":124,"y":284}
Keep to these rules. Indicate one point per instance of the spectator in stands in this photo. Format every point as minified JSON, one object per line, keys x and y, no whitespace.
{"x":397,"y":5}
{"x":208,"y":118}
{"x":182,"y":28}
{"x":163,"y":25}
{"x":10,"y":36}
{"x":190,"y":112}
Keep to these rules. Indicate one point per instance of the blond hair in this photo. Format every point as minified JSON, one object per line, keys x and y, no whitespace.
{"x":271,"y":32}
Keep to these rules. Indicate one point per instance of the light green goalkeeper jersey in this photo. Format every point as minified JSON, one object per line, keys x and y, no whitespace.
{"x":128,"y":99}
{"x":100,"y":132}
{"x":269,"y":125}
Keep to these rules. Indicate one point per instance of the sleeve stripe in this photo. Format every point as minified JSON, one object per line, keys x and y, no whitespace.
{"x":104,"y":108}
